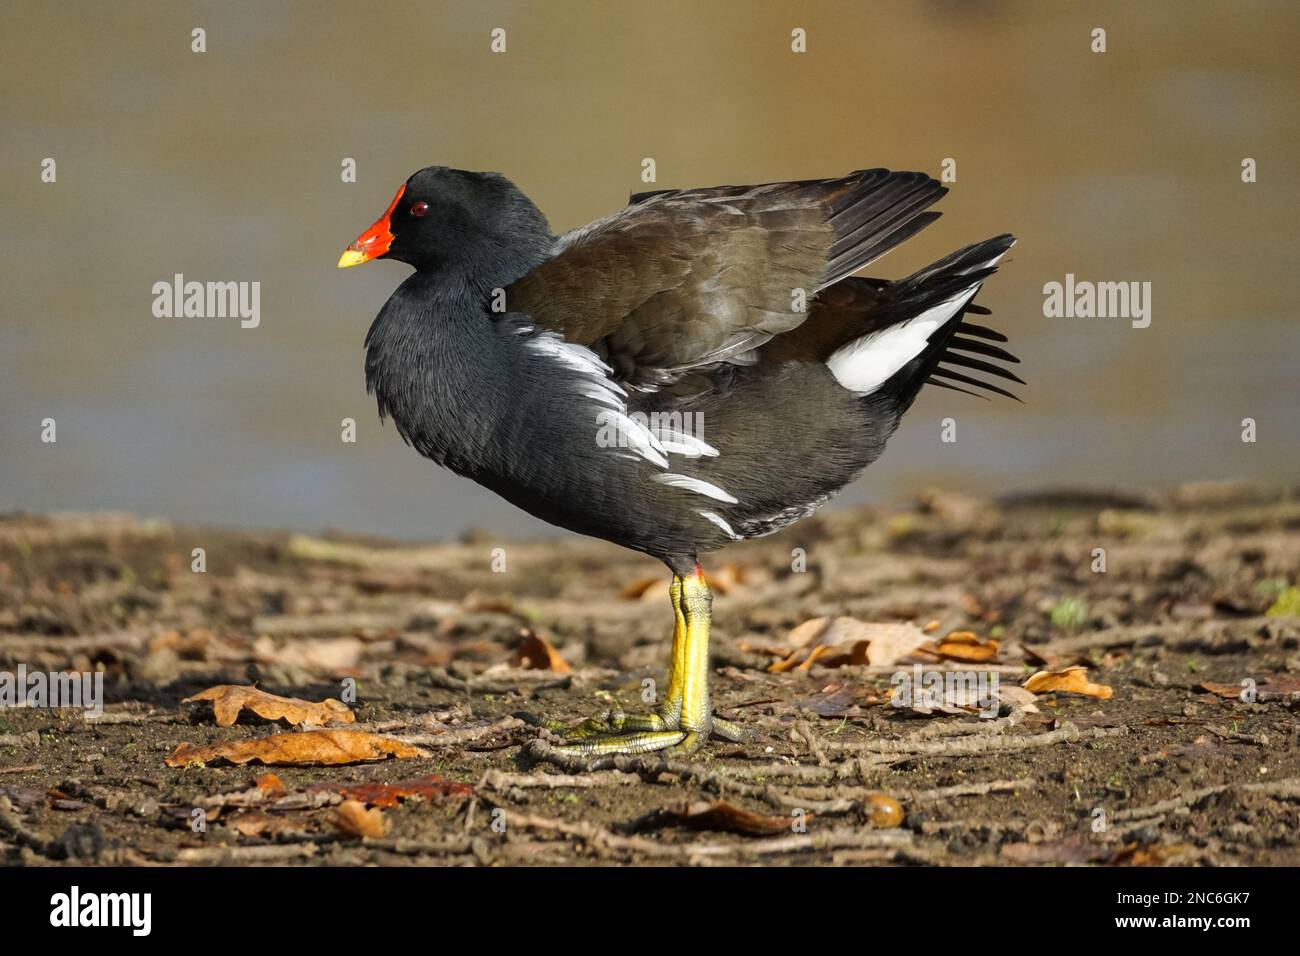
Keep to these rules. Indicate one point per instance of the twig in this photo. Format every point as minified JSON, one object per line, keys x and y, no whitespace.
{"x":986,"y":727}
{"x":497,"y":780}
{"x":652,"y":766}
{"x":449,"y":738}
{"x":134,"y":717}
{"x":979,"y":744}
{"x":1289,"y":789}
{"x":602,"y":839}
{"x":966,"y":790}
{"x":247,"y":854}
{"x":454,"y":846}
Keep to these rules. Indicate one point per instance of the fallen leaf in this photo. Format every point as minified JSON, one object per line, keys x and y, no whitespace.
{"x":257,"y":823}
{"x":310,"y":747}
{"x":271,"y":785}
{"x":1072,"y":680}
{"x":1272,"y":687}
{"x":1153,"y":854}
{"x":965,"y":646}
{"x":721,"y":815}
{"x":755,"y":644}
{"x":836,"y":641}
{"x":835,"y":700}
{"x":1017,"y":697}
{"x":802,"y":634}
{"x":352,"y":817}
{"x":535,"y":653}
{"x":229,"y":699}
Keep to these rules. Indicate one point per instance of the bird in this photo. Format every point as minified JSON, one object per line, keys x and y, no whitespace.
{"x":700,"y":367}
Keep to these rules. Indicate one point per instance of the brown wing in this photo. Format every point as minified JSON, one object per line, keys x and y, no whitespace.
{"x":686,"y":278}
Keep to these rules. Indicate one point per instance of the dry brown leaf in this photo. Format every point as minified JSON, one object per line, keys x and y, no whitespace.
{"x":310,"y":747}
{"x":965,"y":646}
{"x":803,"y":634}
{"x":535,"y":653}
{"x":1272,"y":687}
{"x":229,"y":699}
{"x":1072,"y":680}
{"x":271,"y":785}
{"x":821,"y":650}
{"x":836,"y":700}
{"x":1017,"y":697}
{"x":853,"y":641}
{"x":352,"y":817}
{"x":721,"y":815}
{"x":754,"y":644}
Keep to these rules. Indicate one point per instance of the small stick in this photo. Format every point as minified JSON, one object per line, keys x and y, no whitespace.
{"x":979,"y":744}
{"x":449,"y":738}
{"x":247,"y":854}
{"x":1289,"y":789}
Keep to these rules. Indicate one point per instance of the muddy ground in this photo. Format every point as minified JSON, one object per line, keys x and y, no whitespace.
{"x":1198,"y":594}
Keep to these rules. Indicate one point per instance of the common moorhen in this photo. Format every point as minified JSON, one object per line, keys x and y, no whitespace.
{"x":695,"y":369}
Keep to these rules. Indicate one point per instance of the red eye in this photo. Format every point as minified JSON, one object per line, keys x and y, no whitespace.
{"x":419,"y":209}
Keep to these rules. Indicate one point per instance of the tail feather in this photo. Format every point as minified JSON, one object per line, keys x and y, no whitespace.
{"x":947,"y":351}
{"x":921,"y":345}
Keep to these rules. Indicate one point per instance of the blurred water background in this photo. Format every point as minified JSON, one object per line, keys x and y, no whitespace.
{"x":225,"y":165}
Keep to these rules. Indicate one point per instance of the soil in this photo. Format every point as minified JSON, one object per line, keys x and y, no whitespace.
{"x":438,"y":645}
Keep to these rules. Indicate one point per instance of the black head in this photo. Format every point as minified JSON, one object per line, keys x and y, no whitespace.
{"x":445,"y":219}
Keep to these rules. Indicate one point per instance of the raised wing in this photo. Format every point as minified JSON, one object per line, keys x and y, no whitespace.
{"x":681,"y":279}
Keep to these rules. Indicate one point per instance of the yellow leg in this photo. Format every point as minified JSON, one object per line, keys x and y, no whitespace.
{"x":685,"y":718}
{"x":671,"y":709}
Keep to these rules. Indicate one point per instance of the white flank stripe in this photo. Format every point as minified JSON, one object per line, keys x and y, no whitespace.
{"x":688,"y":446}
{"x":697,"y":486}
{"x":600,"y":388}
{"x":720,"y":522}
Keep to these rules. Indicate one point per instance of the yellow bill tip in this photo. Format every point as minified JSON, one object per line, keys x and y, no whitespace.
{"x":351,"y":257}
